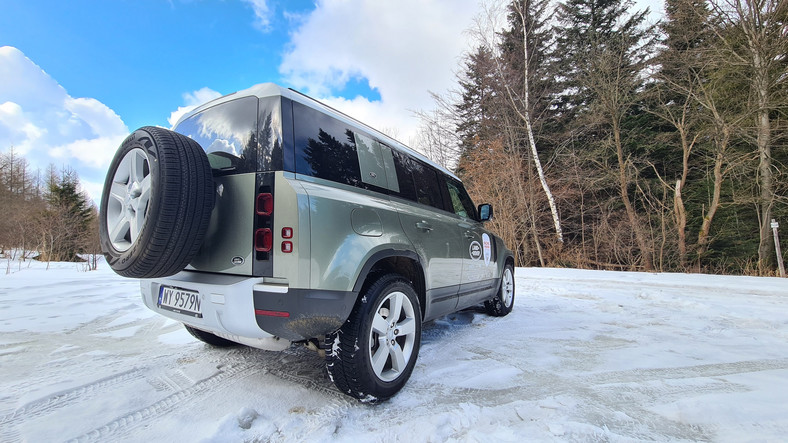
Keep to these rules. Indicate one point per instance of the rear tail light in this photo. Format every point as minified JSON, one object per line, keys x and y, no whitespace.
{"x":263,"y":240}
{"x":287,"y":247}
{"x":264,"y":204}
{"x":287,"y":232}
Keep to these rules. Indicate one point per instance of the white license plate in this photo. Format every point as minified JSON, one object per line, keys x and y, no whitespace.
{"x":182,"y":301}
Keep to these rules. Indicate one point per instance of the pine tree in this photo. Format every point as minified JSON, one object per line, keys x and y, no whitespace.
{"x":604,"y":52}
{"x":67,"y":220}
{"x":476,"y":110}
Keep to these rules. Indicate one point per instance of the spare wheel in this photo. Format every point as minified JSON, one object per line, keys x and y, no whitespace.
{"x":157,"y":201}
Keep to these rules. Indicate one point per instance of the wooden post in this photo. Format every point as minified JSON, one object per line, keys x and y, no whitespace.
{"x":775,"y":225}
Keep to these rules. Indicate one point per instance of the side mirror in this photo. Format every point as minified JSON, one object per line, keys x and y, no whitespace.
{"x":485,"y":212}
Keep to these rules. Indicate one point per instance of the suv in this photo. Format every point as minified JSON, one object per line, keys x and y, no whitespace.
{"x":266,"y":218}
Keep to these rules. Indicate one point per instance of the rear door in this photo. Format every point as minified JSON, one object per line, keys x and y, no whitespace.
{"x":432,"y":231}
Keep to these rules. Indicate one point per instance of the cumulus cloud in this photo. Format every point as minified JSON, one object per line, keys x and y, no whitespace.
{"x":404,"y":49}
{"x":47,"y":125}
{"x":262,"y":14}
{"x":191,"y":100}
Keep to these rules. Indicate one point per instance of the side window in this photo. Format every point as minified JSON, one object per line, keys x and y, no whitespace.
{"x":427,"y":187}
{"x":370,"y":160}
{"x":460,"y":200}
{"x":404,"y":176}
{"x":391,"y":170}
{"x":228,"y":134}
{"x":325,"y":147}
{"x":417,"y":181}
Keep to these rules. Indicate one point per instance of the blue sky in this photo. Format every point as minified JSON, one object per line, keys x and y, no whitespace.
{"x":76,"y":76}
{"x":139,"y":56}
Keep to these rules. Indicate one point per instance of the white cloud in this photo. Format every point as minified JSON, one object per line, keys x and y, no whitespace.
{"x":44,"y":123}
{"x":262,"y":14}
{"x":191,"y":100}
{"x":404,"y":49}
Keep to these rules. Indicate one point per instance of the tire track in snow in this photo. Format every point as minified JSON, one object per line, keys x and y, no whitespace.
{"x":123,"y":424}
{"x":295,"y":364}
{"x":616,"y":401}
{"x":37,"y":408}
{"x":699,"y":371}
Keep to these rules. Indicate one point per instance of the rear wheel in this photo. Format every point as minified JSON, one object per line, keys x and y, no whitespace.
{"x":207,"y":337}
{"x":503,"y":302}
{"x":372,"y":356}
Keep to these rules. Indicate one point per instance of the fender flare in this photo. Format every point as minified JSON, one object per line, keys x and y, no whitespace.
{"x":381,"y":255}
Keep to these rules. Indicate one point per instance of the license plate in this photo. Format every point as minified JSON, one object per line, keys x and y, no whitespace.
{"x":182,"y":301}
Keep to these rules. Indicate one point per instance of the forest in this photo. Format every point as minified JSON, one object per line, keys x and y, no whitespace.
{"x":45,"y":217}
{"x":607,"y":142}
{"x":602,"y":140}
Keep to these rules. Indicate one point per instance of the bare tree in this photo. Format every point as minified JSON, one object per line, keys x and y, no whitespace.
{"x":752,"y":34}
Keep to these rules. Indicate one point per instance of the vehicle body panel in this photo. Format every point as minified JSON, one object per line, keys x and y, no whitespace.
{"x":340,"y":233}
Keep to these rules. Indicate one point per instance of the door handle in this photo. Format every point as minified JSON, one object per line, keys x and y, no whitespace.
{"x":469,"y":235}
{"x":424,"y":226}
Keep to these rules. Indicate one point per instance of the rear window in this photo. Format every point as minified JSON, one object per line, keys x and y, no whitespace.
{"x":229,"y":134}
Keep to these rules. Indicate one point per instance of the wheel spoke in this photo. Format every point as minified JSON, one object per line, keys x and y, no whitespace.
{"x":118,"y":191}
{"x":398,"y":361}
{"x":137,"y":171}
{"x":134,"y":228}
{"x":395,"y":306}
{"x":145,"y":186}
{"x":406,"y":327}
{"x":380,"y":357}
{"x":118,"y":232}
{"x":142,"y":202}
{"x":379,"y":324}
{"x":136,"y":223}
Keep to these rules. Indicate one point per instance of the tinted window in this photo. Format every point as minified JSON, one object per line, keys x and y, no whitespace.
{"x":418,"y":181}
{"x":269,"y":144}
{"x":324,"y":147}
{"x":404,"y":176}
{"x":370,"y":160}
{"x":460,"y":200}
{"x":228,"y":134}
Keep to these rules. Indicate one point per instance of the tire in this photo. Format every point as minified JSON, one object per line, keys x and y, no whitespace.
{"x":503,"y":302}
{"x":207,"y":337}
{"x":372,"y":356}
{"x":156,"y":205}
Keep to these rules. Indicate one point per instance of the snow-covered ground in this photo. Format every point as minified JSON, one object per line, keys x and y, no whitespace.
{"x":585,"y":355}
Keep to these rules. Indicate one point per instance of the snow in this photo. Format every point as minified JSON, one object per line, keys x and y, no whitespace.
{"x":585,"y":355}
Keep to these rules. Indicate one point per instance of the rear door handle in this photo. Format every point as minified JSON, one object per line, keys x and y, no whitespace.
{"x":424,"y":226}
{"x":469,"y":235}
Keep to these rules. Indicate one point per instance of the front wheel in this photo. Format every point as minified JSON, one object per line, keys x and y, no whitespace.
{"x":503,"y":302}
{"x":372,"y":356}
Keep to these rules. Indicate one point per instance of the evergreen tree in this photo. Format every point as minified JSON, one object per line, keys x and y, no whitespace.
{"x":604,"y":52}
{"x":67,"y":219}
{"x":476,"y":110}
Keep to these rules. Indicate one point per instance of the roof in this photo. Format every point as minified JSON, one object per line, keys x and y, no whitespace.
{"x":263,"y":90}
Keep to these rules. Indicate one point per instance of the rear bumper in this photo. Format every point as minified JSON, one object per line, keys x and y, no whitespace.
{"x":249,"y":311}
{"x":301,"y":314}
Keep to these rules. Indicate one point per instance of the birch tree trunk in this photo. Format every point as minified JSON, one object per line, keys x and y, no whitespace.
{"x":525,"y":115}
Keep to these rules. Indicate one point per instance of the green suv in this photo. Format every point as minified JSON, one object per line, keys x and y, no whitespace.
{"x":266,"y":218}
